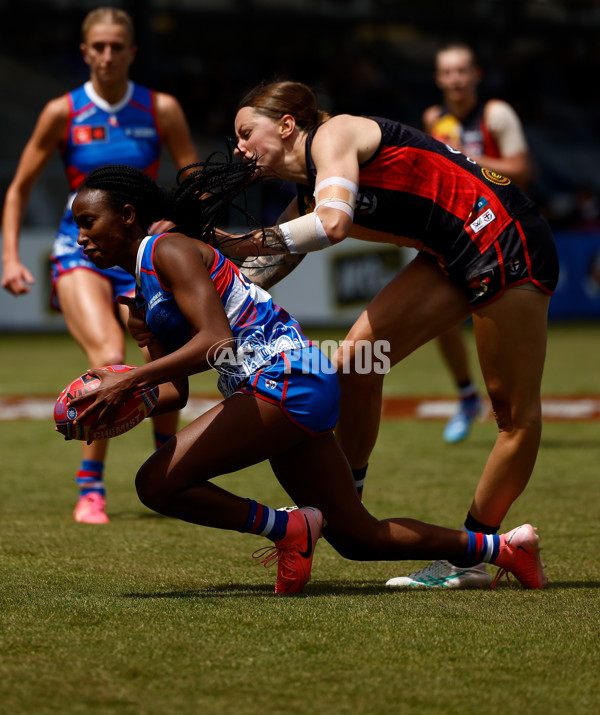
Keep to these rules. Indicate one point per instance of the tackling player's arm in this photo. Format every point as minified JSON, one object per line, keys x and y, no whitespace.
{"x":266,"y":271}
{"x":338,"y":147}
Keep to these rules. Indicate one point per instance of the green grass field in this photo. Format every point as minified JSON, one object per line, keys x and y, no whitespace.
{"x":148,"y":615}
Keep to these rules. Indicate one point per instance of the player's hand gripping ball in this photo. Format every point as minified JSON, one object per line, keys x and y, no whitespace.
{"x":130,"y":414}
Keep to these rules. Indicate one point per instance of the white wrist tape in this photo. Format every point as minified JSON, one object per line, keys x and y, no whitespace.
{"x":304,"y":234}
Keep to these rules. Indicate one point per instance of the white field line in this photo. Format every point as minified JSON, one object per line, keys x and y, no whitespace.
{"x":553,"y":408}
{"x":42,"y":408}
{"x":558,"y":408}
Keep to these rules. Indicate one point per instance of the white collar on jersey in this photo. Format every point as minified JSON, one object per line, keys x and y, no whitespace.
{"x":102,"y":103}
{"x":138,"y":260}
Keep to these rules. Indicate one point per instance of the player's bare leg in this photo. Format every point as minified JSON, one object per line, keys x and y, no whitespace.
{"x":412,"y":309}
{"x":357,"y":534}
{"x":87,"y":304}
{"x":174,"y":482}
{"x":315,"y":474}
{"x":511,"y":342}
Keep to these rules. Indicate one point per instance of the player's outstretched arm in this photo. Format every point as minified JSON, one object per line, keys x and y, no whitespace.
{"x":266,"y":271}
{"x":45,"y":139}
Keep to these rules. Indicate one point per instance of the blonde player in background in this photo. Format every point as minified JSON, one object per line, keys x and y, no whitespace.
{"x":109,"y":119}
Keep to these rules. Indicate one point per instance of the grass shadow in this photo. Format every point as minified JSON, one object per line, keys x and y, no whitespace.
{"x":368,"y":588}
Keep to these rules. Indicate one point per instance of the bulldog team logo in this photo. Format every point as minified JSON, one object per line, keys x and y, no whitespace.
{"x":495,"y":178}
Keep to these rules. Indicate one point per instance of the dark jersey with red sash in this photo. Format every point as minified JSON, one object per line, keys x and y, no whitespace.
{"x":419,"y":188}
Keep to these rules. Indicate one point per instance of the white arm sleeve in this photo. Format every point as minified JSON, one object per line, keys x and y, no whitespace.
{"x":304,"y":234}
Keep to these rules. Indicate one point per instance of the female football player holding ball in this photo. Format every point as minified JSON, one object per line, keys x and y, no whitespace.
{"x":280,"y":404}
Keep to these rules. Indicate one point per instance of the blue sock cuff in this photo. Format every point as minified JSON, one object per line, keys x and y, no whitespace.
{"x":92,"y":465}
{"x":483,"y":547}
{"x":280,"y":526}
{"x":265,"y":521}
{"x":251,"y":515}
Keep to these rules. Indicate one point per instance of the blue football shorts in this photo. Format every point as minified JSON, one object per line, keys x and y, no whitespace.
{"x":305,"y":386}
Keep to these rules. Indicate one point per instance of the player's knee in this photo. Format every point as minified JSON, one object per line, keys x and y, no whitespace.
{"x":512,"y":417}
{"x":362,"y":362}
{"x":352,"y":380}
{"x":106,"y":348}
{"x":104,"y":355}
{"x":144,"y":489}
{"x":148,"y":487}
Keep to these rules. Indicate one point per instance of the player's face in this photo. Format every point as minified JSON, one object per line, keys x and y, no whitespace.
{"x":101,"y":233}
{"x":258,"y":136}
{"x":456,"y":74}
{"x":108,"y":51}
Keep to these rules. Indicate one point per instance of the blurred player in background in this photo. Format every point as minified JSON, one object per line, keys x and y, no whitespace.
{"x":109,"y":119}
{"x":489,"y":132}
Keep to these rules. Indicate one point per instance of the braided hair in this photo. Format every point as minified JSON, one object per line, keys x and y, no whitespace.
{"x":201,"y":198}
{"x":126,"y":185}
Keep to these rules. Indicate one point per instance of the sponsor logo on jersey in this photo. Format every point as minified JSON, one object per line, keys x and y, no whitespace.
{"x":479,"y":286}
{"x":482,"y":221}
{"x":495,"y":178}
{"x":141,"y":132}
{"x":514,"y":267}
{"x":85,"y":115}
{"x":366,"y":202}
{"x":87,"y":134}
{"x":156,"y":298}
{"x":480,"y":204}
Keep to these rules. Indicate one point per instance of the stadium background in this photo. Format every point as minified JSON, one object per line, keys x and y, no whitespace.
{"x":154,"y":616}
{"x":361,"y":56}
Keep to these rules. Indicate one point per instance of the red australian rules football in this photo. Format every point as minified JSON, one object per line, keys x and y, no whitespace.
{"x":130,"y":414}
